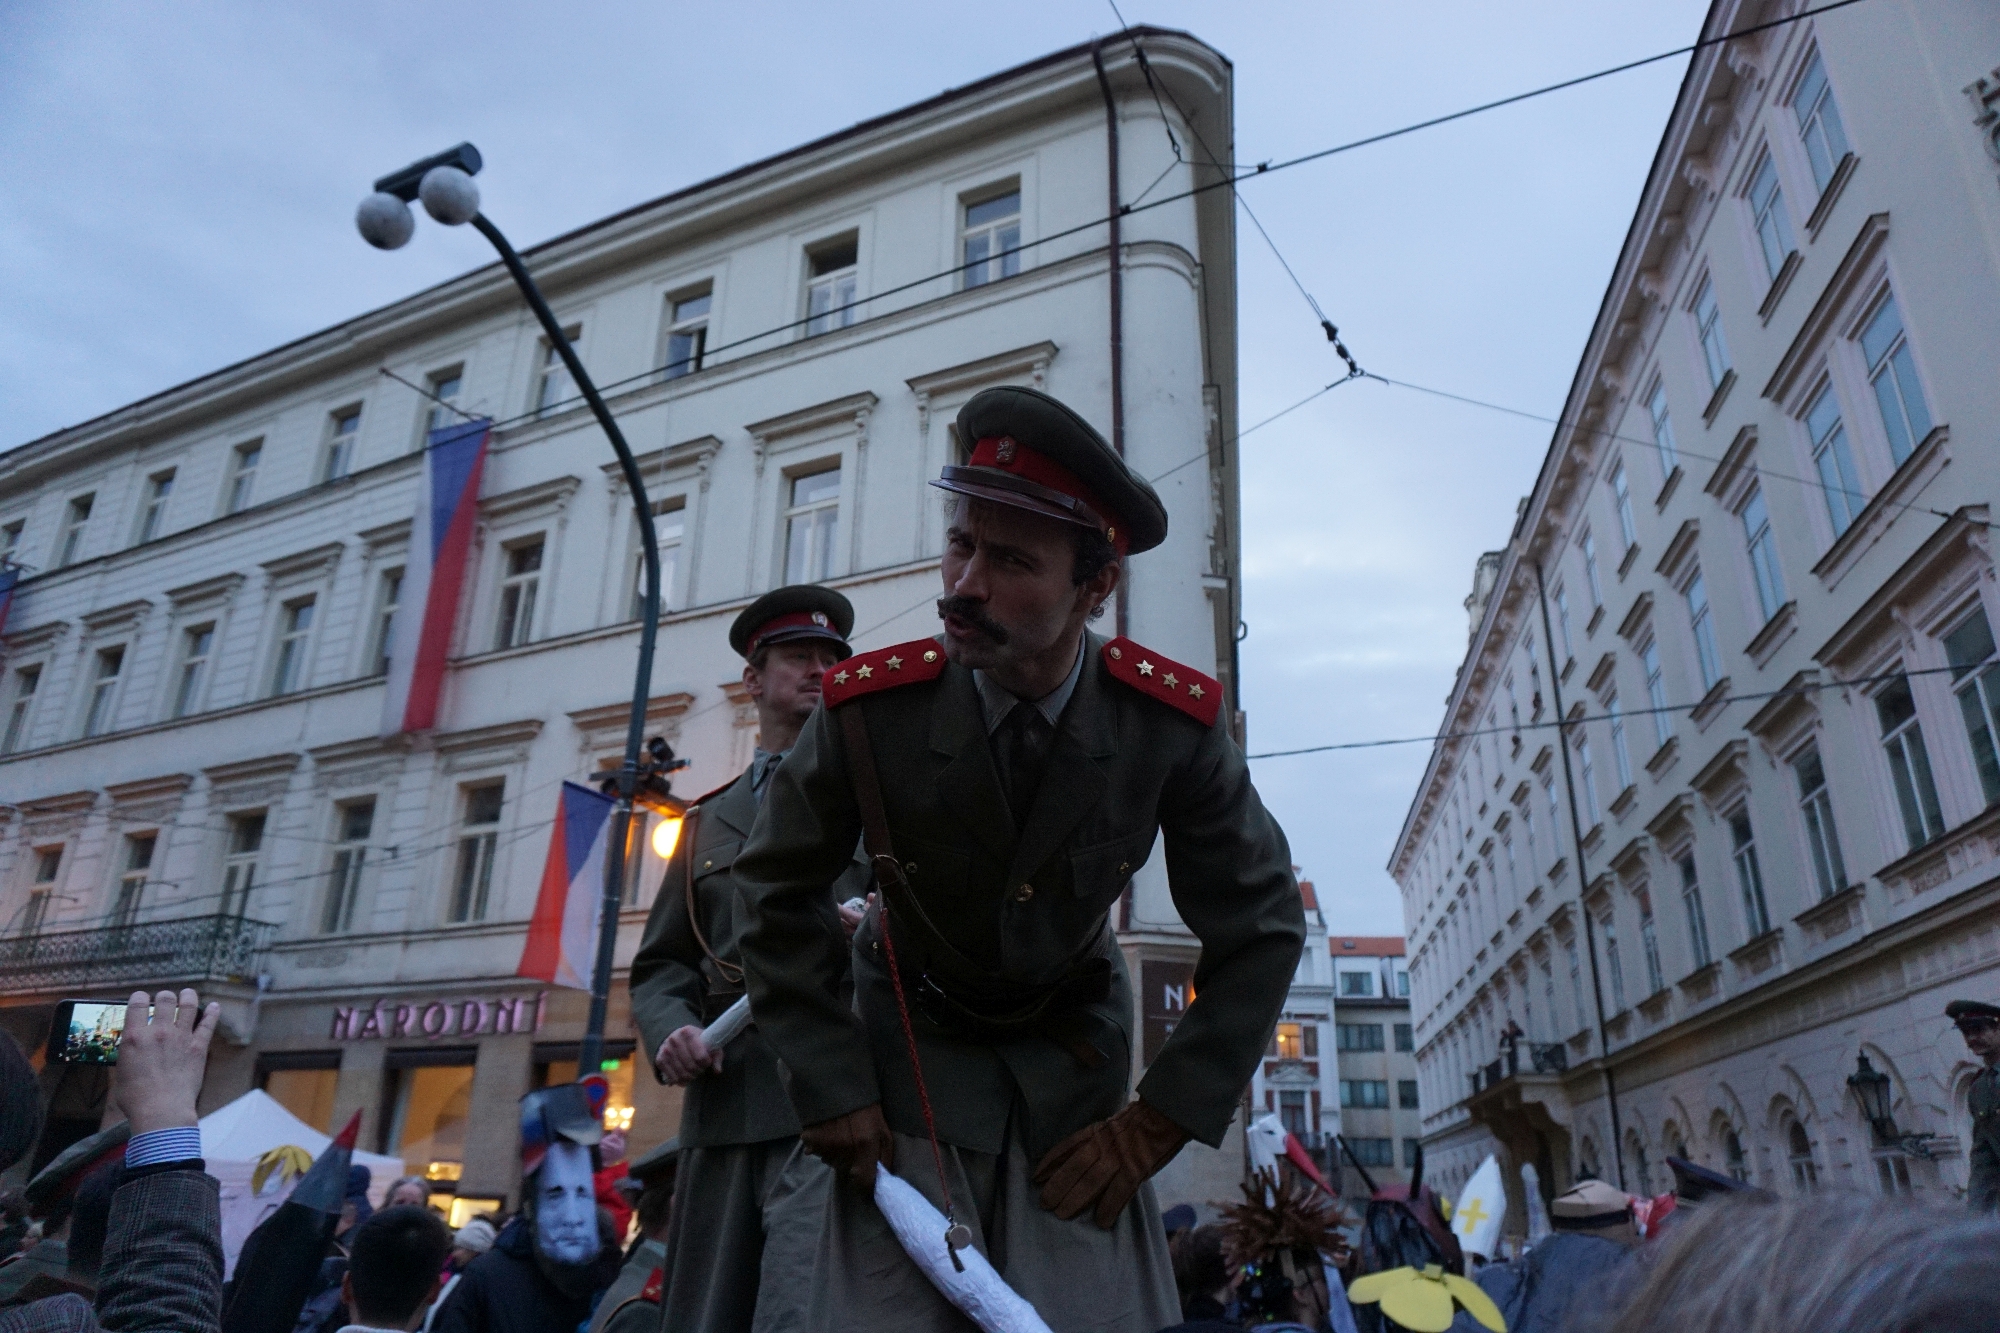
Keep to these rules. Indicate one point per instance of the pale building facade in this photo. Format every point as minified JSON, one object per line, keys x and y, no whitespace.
{"x":1763,"y":535}
{"x":1298,"y":1079}
{"x":193,"y":785}
{"x":1375,"y":1043}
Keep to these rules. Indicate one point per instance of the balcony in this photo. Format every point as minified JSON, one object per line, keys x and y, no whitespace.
{"x":1544,"y":1057}
{"x":99,"y":958}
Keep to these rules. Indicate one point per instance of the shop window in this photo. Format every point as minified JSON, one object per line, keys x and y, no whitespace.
{"x":429,"y":1106}
{"x":303,"y":1082}
{"x":555,"y":1062}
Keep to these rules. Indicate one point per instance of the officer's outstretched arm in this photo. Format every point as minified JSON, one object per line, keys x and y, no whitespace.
{"x":793,"y":964}
{"x":666,"y":972}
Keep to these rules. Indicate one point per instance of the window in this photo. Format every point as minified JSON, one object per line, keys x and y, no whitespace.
{"x":1767,"y":214}
{"x":1663,"y":429}
{"x":1549,"y":997}
{"x":1406,"y":1094}
{"x":303,"y":1082}
{"x":830,"y":285}
{"x":1909,"y":762}
{"x":1893,"y":373}
{"x":103,"y":706}
{"x":1374,"y":1152}
{"x":10,"y":540}
{"x":669,"y":530}
{"x":337,"y":458}
{"x":1411,"y":1148}
{"x":48,"y":864}
{"x":1656,"y":692}
{"x":243,"y":475}
{"x":1621,"y":499}
{"x":1614,"y":962}
{"x":1587,"y":779}
{"x":388,"y":595}
{"x":1975,"y":678}
{"x":1357,"y":985}
{"x":132,"y":880}
{"x":1819,"y":123}
{"x":444,"y":388}
{"x":1749,"y":877}
{"x":1892,"y":1172}
{"x":1708,"y":328}
{"x":1649,"y":942}
{"x":288,"y":667}
{"x":153,"y":513}
{"x":1287,"y":1042}
{"x":1733,"y":1156}
{"x":518,"y":586}
{"x":478,"y":835}
{"x":811,"y":521}
{"x":354,"y":820}
{"x":1404,"y":1036}
{"x":687,"y":333}
{"x":239,"y":862}
{"x":1292,"y":1110}
{"x":1763,"y":554}
{"x":430,"y":1111}
{"x":1365,"y":1093}
{"x":1358,"y":1036}
{"x":1833,"y":460}
{"x":75,"y":518}
{"x":1805,"y":1171}
{"x":1562,"y":621}
{"x":1697,"y":917}
{"x":197,"y":643}
{"x":1817,"y":806}
{"x":26,"y":680}
{"x":1589,"y":545}
{"x":1703,"y":625}
{"x":553,"y":387}
{"x":1403,"y":978}
{"x":992,"y":228}
{"x":1620,"y":755}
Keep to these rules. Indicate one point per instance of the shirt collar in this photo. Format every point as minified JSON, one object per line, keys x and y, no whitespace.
{"x":995,"y":701}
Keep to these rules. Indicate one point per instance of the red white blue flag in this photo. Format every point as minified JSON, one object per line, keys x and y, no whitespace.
{"x":9,"y":576}
{"x":562,"y":935}
{"x":434,"y":575}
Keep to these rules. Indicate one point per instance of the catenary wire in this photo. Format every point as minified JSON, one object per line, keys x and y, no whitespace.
{"x":1228,"y":180}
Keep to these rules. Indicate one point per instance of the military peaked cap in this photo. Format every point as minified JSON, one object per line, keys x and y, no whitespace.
{"x":1032,"y":452}
{"x":1977,"y":1010}
{"x":1694,"y":1182}
{"x":797,"y":611}
{"x":658,"y":1165}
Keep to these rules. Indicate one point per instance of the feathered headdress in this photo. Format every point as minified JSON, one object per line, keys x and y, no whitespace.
{"x":1295,"y":1220}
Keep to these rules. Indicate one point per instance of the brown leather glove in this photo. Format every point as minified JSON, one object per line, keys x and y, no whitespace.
{"x":1105,"y":1163}
{"x":852,"y":1144}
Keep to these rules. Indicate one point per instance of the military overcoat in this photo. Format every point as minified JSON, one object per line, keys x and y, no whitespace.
{"x":1984,"y":1103}
{"x":1126,"y":769}
{"x":675,"y":984}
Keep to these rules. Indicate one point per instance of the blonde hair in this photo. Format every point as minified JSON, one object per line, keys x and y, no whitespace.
{"x":1828,"y":1263}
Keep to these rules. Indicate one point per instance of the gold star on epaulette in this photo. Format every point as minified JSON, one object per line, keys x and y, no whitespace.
{"x":894,"y":664}
{"x":1170,"y":681}
{"x":840,"y":677}
{"x":1194,"y":691}
{"x":1145,"y":668}
{"x":864,"y":672}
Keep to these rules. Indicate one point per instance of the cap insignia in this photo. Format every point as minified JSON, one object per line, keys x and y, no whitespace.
{"x":819,"y":618}
{"x":1005,"y":452}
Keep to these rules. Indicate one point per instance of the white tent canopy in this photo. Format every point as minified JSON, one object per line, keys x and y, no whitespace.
{"x":233,"y":1137}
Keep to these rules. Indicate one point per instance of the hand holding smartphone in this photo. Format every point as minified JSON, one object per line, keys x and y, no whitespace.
{"x":87,"y":1032}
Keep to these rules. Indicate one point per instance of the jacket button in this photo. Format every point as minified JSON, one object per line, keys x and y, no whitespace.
{"x":909,"y":867}
{"x":1025,"y":892}
{"x":708,"y":865}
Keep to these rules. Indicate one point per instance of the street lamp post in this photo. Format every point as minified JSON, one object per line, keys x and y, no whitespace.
{"x":1876,"y":1095}
{"x":445,"y":186}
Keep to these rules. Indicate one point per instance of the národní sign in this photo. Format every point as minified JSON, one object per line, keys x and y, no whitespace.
{"x":432,"y":1019}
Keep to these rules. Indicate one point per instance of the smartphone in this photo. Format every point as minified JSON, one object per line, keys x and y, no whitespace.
{"x":87,"y":1032}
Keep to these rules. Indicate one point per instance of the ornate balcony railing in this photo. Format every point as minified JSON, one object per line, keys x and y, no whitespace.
{"x":198,"y":948}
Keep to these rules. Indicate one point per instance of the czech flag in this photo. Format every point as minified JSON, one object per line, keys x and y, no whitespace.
{"x":434,"y":575}
{"x":9,"y":576}
{"x":562,"y":935}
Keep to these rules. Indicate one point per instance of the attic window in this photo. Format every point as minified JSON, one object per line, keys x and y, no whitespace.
{"x":1347,"y":944}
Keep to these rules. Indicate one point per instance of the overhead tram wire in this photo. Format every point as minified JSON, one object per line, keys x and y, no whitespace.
{"x":651,"y":374}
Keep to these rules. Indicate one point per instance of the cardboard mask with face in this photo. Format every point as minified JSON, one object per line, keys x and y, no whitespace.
{"x":566,"y":1205}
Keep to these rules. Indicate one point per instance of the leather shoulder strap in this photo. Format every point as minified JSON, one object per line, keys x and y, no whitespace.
{"x":690,"y":827}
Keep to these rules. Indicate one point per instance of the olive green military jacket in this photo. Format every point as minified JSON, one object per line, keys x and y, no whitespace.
{"x":675,"y":984}
{"x":1123,"y":768}
{"x":1984,"y":1103}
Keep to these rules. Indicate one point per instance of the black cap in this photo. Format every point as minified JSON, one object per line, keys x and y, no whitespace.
{"x":657,"y":1165}
{"x":1694,"y":1182}
{"x":1960,"y":1010}
{"x":796,"y":611}
{"x":1032,"y":452}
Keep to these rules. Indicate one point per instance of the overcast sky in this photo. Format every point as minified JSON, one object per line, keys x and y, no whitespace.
{"x":177,"y":188}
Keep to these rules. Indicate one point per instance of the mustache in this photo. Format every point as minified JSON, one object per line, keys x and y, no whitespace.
{"x":973,"y":614}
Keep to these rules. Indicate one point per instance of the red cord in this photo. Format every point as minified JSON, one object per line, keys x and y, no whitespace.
{"x":917,"y":1068}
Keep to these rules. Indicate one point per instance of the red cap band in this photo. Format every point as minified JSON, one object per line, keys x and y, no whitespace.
{"x":1006,"y":454}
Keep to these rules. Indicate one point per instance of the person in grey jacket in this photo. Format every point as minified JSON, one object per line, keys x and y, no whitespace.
{"x":162,"y":1266}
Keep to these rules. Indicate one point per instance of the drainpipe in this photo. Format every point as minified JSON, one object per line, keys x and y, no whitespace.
{"x":1116,"y":261}
{"x":1582,"y":880}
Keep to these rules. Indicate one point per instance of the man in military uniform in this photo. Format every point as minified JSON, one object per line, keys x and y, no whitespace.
{"x":1980,"y":1025}
{"x":737,"y":1127}
{"x":1010,"y":777}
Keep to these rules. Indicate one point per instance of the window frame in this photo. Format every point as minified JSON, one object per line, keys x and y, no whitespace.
{"x":517,"y":595}
{"x":1975,"y":687}
{"x":385,"y":603}
{"x":551,"y":373}
{"x":77,"y":512}
{"x":1749,"y":872}
{"x":129,"y":888}
{"x":693,"y":327}
{"x":290,"y":669}
{"x":152,"y":518}
{"x":1661,"y":415}
{"x":347,"y":862}
{"x":1817,"y":821}
{"x":790,"y":510}
{"x":1656,"y":688}
{"x":338,"y":448}
{"x":1913,"y":780}
{"x":1710,"y":339}
{"x":1701,"y":948}
{"x":1621,"y":502}
{"x":993,"y":230}
{"x":477,"y":852}
{"x":1701,"y":630}
{"x":18,"y":732}
{"x":186,"y":695}
{"x":239,"y":483}
{"x":1772,"y":210}
{"x":1760,"y":542}
{"x":102,"y":692}
{"x":671,"y":566}
{"x":235,"y":889}
{"x":839,"y":314}
{"x":1890,"y":370}
{"x":1823,"y":174}
{"x":432,"y":414}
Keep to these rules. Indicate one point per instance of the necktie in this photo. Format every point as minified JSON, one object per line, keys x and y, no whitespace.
{"x":1022,"y":752}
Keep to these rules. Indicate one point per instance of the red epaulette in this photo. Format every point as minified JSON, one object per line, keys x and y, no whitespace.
{"x":655,"y":1287}
{"x":885,"y":668}
{"x":1157,"y":677}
